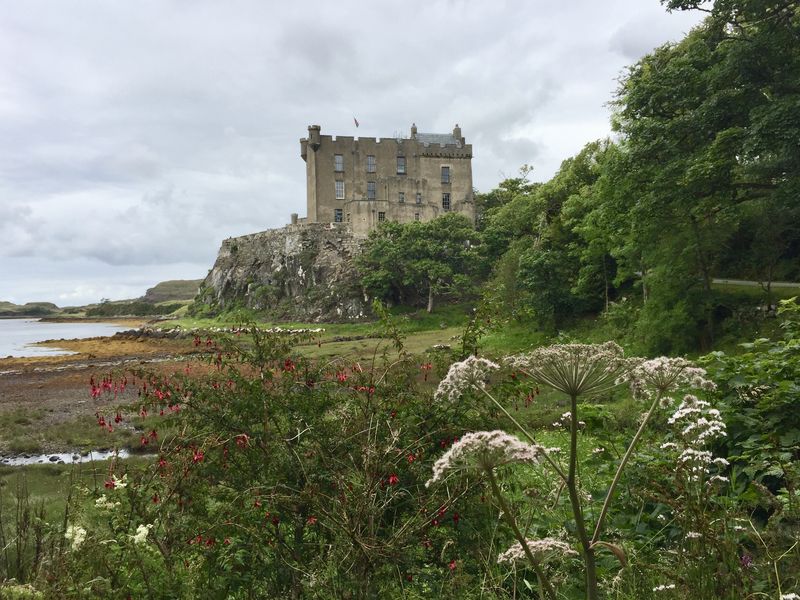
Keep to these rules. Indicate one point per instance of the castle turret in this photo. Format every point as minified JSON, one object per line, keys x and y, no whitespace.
{"x":314,"y":137}
{"x":457,"y":134}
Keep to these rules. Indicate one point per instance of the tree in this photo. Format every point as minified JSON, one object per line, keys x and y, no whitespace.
{"x":416,"y":262}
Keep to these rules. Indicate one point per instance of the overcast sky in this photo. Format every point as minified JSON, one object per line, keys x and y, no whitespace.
{"x":136,"y":136}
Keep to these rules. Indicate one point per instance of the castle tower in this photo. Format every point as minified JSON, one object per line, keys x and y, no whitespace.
{"x":365,"y":181}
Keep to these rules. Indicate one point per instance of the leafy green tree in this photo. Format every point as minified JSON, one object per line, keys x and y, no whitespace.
{"x":419,"y":262}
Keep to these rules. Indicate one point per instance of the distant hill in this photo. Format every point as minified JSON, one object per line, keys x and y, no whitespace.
{"x":172,"y":291}
{"x":29,"y":309}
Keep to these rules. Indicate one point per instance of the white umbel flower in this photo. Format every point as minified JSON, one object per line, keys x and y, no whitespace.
{"x":576,"y":369}
{"x":463,"y":375}
{"x":541,"y":549}
{"x":485,"y":450}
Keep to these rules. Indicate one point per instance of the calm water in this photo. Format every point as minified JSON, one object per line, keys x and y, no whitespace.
{"x":17,"y":335}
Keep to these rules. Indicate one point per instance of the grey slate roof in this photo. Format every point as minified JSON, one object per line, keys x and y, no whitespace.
{"x":437,"y":138}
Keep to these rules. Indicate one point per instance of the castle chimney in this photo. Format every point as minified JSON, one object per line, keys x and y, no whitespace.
{"x":413,"y":131}
{"x":457,"y":133}
{"x":294,"y":218}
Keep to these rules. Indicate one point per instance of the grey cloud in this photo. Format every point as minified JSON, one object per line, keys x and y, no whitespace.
{"x":135,"y":137}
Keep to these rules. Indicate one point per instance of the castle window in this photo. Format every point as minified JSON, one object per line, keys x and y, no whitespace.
{"x":401,"y":165}
{"x":348,"y":217}
{"x":370,"y":190}
{"x":445,"y":174}
{"x":419,"y":197}
{"x":337,"y":215}
{"x":340,"y":190}
{"x":381,"y":217}
{"x":446,"y":201}
{"x":401,"y":197}
{"x":370,"y":163}
{"x":338,"y":163}
{"x":416,"y":216}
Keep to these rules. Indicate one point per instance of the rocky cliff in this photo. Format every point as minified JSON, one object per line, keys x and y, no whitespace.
{"x":300,"y":272}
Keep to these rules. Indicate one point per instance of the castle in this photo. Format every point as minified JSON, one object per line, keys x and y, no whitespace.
{"x":364,"y":181}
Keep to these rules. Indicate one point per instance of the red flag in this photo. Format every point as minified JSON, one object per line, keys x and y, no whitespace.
{"x":356,"y":121}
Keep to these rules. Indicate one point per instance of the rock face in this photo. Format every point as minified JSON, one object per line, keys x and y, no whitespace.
{"x":300,"y":272}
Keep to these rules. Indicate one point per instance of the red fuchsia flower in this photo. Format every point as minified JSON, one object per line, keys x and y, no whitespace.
{"x":153,"y":434}
{"x":110,"y":428}
{"x":312,"y":520}
{"x":110,"y":484}
{"x":452,"y":565}
{"x":242,"y":440}
{"x":143,"y":412}
{"x":208,"y":342}
{"x":257,"y":504}
{"x":101,"y":421}
{"x":210,"y":542}
{"x":393,"y":414}
{"x":226,"y":541}
{"x":155,"y":499}
{"x":162,"y":462}
{"x":409,"y":577}
{"x":288,"y":365}
{"x":456,"y":518}
{"x":341,"y":376}
{"x":275,"y":520}
{"x":117,"y":418}
{"x":144,"y":440}
{"x":393,"y":479}
{"x":434,"y":522}
{"x":411,"y":458}
{"x":198,"y":456}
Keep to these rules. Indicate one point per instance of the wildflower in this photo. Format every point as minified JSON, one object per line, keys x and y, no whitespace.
{"x":142,"y":531}
{"x":452,"y":565}
{"x":76,"y":535}
{"x":575,"y":369}
{"x":790,"y":596}
{"x":104,"y":503}
{"x":393,"y":479}
{"x":661,"y":588}
{"x":664,"y":375}
{"x":471,"y":372}
{"x":242,"y":440}
{"x":312,"y":520}
{"x":693,"y":535}
{"x":198,"y":456}
{"x":486,"y":450}
{"x":114,"y":483}
{"x":541,"y":549}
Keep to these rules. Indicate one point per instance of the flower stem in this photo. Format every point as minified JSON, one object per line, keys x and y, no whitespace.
{"x":531,"y":439}
{"x":574,"y":499}
{"x":509,"y":518}
{"x":609,"y":495}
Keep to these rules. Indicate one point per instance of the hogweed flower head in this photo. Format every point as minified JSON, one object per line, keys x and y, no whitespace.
{"x":485,"y":450}
{"x":471,"y":372}
{"x":663,"y":375}
{"x":542,"y":549}
{"x":576,"y":369}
